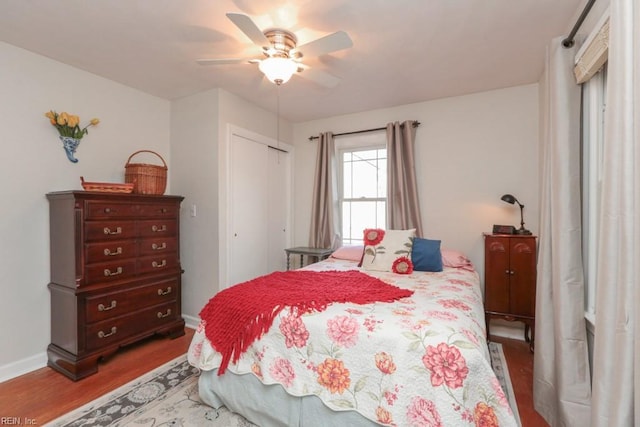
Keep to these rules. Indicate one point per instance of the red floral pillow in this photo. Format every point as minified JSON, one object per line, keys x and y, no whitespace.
{"x":388,"y":250}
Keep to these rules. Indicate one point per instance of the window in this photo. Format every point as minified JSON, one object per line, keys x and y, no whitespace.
{"x":593,"y":108}
{"x":362,"y":189}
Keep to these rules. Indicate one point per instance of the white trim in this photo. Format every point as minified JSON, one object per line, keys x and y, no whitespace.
{"x":29,"y":364}
{"x":191,"y":321}
{"x":23,"y":366}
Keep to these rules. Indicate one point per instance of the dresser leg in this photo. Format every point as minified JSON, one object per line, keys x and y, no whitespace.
{"x":69,"y":365}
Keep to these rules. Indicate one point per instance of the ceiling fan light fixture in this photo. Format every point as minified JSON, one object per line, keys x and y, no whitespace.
{"x":278,"y":70}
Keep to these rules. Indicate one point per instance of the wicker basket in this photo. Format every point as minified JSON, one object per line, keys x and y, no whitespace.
{"x":146,"y":179}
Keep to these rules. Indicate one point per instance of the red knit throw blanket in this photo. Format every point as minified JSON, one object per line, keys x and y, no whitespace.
{"x":237,"y":316}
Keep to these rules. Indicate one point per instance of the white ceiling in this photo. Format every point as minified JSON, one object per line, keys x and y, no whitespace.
{"x":404,"y":51}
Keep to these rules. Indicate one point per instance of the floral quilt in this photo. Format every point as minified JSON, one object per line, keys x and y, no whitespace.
{"x":419,"y":361}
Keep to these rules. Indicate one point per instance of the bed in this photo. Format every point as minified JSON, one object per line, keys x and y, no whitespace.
{"x":421,"y":360}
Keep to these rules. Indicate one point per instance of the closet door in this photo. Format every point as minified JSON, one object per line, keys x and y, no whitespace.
{"x":249,"y":208}
{"x":278,"y":202}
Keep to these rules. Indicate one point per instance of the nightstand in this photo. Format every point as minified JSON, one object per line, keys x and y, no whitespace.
{"x":318,"y":253}
{"x":510,"y":280}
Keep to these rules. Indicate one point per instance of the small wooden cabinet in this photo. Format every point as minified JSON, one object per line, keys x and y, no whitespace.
{"x":510,"y":280}
{"x":115,"y":275}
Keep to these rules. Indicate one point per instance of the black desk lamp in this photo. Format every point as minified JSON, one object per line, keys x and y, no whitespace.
{"x":510,"y":199}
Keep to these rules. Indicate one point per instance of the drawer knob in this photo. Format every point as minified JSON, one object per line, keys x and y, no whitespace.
{"x":155,"y":264}
{"x":118,"y":251}
{"x":108,"y":272}
{"x":162,"y":315}
{"x":167,"y":292}
{"x":101,"y":334}
{"x":157,"y":247}
{"x":108,"y":231}
{"x":102,"y":307}
{"x":157,"y":229}
{"x":107,"y":210}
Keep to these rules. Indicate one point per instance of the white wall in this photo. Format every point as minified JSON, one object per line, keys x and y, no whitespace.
{"x":199,"y":133}
{"x":470,"y":151}
{"x":33,"y":163}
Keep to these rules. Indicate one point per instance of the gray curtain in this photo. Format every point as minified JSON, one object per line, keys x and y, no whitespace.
{"x":323,"y":233}
{"x":403,"y":207}
{"x":561,"y":382}
{"x":616,"y":359}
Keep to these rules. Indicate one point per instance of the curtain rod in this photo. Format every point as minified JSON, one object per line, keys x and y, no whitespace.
{"x":311,"y":138}
{"x":569,"y":42}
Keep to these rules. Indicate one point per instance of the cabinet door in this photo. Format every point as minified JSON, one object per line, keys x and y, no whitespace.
{"x":523,"y":279}
{"x":497,"y":274}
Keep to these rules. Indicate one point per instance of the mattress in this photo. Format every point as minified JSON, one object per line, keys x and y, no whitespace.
{"x":421,"y":360}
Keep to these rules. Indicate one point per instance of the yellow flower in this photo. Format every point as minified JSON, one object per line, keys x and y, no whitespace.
{"x":69,"y":124}
{"x":62,"y":119}
{"x":73,"y":121}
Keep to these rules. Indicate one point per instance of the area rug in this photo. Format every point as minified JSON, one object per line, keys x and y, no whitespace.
{"x":168,"y":396}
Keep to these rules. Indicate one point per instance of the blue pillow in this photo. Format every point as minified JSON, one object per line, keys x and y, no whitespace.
{"x":426,"y":255}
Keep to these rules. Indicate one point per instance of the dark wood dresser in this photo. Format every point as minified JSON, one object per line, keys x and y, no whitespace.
{"x":115,"y":275}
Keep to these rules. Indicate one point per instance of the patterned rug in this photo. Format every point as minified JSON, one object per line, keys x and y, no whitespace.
{"x":168,"y":396}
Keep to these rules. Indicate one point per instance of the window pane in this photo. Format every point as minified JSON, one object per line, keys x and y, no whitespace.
{"x":346,"y":221}
{"x":365,"y":155}
{"x":347,"y":175}
{"x":365,"y":182}
{"x":382,"y":177}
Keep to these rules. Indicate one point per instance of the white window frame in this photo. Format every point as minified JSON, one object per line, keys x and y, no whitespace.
{"x":593,"y":109}
{"x":353,"y":143}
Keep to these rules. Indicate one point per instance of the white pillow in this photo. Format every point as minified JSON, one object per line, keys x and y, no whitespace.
{"x":379,"y":255}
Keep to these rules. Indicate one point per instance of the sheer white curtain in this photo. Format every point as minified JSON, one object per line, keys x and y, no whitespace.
{"x":323,"y":233}
{"x":561,"y":386}
{"x":616,"y":371}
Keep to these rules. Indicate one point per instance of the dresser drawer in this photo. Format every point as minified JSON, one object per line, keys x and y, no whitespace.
{"x":114,"y":304}
{"x":158,"y":210}
{"x":158,"y":245}
{"x":95,"y":209}
{"x":115,"y":270}
{"x":107,"y":231}
{"x":110,"y":251}
{"x":157,"y":264}
{"x":158,"y":228}
{"x":112,"y":331}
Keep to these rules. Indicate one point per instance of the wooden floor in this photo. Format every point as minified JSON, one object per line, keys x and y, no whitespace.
{"x":43,"y":395}
{"x":520,"y":364}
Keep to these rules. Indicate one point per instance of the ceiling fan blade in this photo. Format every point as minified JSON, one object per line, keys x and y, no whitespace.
{"x":329,"y":43}
{"x":221,"y":61}
{"x":318,"y":76}
{"x":247,"y":26}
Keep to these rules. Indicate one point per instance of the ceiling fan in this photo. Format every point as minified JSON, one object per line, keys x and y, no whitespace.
{"x":282,"y":55}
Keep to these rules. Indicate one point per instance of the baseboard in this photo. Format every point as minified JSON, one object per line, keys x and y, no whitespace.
{"x":191,"y":322}
{"x":23,"y":366}
{"x":28,"y":364}
{"x":506,"y":329}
